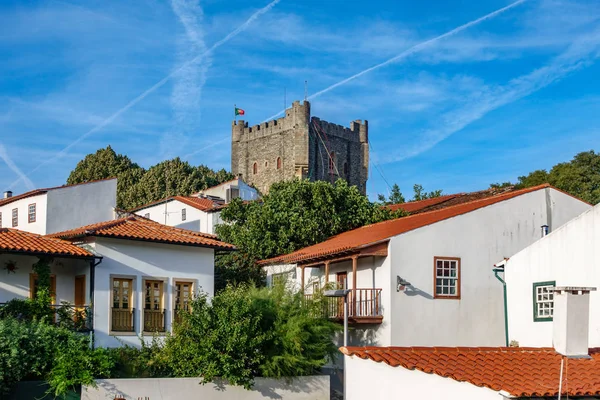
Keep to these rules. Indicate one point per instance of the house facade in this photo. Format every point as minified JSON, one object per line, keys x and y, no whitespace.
{"x":425,"y":279}
{"x":70,"y":269}
{"x":148,"y":272}
{"x":50,"y":210}
{"x":200,"y":212}
{"x":568,"y":256}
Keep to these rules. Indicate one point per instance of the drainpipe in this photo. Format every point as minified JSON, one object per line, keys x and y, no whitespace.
{"x":93,"y":265}
{"x":500,"y":268}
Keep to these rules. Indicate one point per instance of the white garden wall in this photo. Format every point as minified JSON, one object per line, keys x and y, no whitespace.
{"x":300,"y":388}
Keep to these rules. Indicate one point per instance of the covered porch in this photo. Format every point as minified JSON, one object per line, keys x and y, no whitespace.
{"x":71,"y":275}
{"x":341,"y":272}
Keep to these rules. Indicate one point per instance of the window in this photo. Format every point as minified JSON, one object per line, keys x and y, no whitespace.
{"x":266,"y":164}
{"x":446,"y":277}
{"x":183,"y":214}
{"x":31,"y":213}
{"x":183,"y":298}
{"x":154,"y":314}
{"x":147,"y":215}
{"x":122,"y":310}
{"x":543,"y":301}
{"x":0,"y":220}
{"x":331,"y":161}
{"x":278,"y":162}
{"x":15,"y":217}
{"x":255,"y":169}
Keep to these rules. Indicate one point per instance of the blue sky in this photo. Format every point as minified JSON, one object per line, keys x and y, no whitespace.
{"x":496,"y":99}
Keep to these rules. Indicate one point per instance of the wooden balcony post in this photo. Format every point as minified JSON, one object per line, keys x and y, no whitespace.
{"x":326,"y":272}
{"x":354,"y":267}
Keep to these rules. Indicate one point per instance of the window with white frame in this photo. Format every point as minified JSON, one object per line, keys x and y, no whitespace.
{"x":183,"y":214}
{"x":15,"y":217}
{"x":31,"y":213}
{"x":543,"y":301}
{"x":446,"y":277}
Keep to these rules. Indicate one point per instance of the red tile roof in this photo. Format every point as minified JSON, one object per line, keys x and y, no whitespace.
{"x":198,"y":203}
{"x":375,"y":233}
{"x":15,"y":241}
{"x":414,"y":206}
{"x":522,"y":372}
{"x":135,"y":227}
{"x":37,"y":192}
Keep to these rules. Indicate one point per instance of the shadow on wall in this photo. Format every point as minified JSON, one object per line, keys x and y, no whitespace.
{"x":414,"y":291}
{"x":298,"y":388}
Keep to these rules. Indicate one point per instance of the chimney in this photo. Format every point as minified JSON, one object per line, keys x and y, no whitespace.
{"x":571,"y":320}
{"x":7,"y":194}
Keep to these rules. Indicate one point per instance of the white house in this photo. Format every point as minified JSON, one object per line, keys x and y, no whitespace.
{"x":70,"y":267}
{"x":568,"y":256}
{"x":199,"y":212}
{"x":50,"y":210}
{"x":230,"y":190}
{"x":571,"y":369}
{"x":424,"y":279}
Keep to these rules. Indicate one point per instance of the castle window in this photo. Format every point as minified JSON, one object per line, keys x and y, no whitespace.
{"x":255,"y":168}
{"x":331,"y":161}
{"x":346,"y":169}
{"x":278,"y":162}
{"x":266,"y":164}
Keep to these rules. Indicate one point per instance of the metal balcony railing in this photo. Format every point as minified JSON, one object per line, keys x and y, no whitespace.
{"x":362,"y":303}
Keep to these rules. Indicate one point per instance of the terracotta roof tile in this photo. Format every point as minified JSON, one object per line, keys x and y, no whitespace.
{"x":36,"y":192}
{"x":375,"y":233}
{"x":135,"y":227}
{"x":521,"y":372}
{"x":16,"y":241}
{"x":199,"y":203}
{"x":415,"y":206}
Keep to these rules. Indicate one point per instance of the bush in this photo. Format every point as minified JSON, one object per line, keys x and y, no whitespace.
{"x":246,"y":332}
{"x":145,"y":362}
{"x":36,"y":350}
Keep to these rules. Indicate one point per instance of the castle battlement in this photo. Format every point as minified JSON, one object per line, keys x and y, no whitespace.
{"x":293,"y":146}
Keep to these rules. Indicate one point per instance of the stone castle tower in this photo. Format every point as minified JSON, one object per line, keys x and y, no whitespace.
{"x":300,"y":146}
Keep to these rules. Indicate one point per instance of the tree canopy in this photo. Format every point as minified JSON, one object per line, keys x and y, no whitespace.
{"x":579,"y":177}
{"x":396,"y":196}
{"x":137,"y":186}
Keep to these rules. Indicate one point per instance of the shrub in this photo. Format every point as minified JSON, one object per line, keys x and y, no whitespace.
{"x":246,"y":332}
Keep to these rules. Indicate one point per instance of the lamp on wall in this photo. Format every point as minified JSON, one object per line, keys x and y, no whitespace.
{"x":401,"y":283}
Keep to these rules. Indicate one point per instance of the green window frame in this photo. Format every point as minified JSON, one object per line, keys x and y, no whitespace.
{"x":543,"y":301}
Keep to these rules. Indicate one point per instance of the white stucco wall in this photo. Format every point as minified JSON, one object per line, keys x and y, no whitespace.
{"x":195,"y":220}
{"x":366,"y":379}
{"x":74,"y":206}
{"x":39,"y":226}
{"x":139,"y":260}
{"x":16,"y":285}
{"x":246,"y":192}
{"x":300,"y":388}
{"x":480,"y":238}
{"x":571,"y":257}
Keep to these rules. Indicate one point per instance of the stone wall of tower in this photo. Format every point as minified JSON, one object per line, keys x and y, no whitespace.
{"x":300,"y":143}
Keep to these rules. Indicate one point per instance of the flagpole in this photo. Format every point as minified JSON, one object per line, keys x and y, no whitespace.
{"x":234,"y":113}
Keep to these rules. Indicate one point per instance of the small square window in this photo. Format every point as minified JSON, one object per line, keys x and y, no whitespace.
{"x":183,"y":214}
{"x":543,"y":301}
{"x":31,"y":213}
{"x":15,"y":217}
{"x":446,"y":277}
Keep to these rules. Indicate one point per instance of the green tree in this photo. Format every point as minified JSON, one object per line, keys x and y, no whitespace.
{"x":395,"y":196}
{"x":137,"y":186}
{"x":420,"y":194}
{"x":244,"y":332}
{"x":579,"y":177}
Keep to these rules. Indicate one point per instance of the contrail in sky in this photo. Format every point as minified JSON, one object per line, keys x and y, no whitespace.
{"x":9,"y":162}
{"x":412,"y":50}
{"x":157,"y":85}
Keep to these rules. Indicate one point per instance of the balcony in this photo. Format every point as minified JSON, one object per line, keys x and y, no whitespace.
{"x":76,"y":318}
{"x":154,"y":320}
{"x":123,"y":320}
{"x":364,"y":307}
